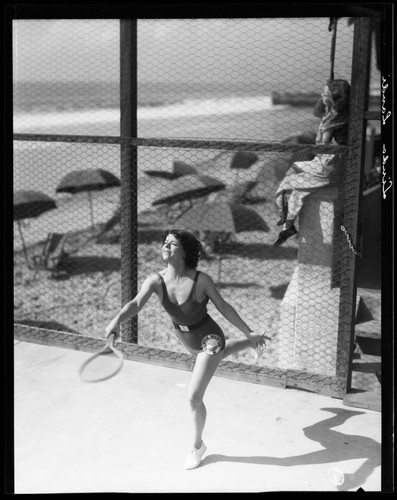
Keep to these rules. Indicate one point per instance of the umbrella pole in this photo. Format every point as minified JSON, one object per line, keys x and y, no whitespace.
{"x":91,"y":208}
{"x":219,"y":257}
{"x":23,"y":244}
{"x":183,"y":211}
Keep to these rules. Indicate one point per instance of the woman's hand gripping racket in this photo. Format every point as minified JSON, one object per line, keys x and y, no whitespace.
{"x":103,"y":364}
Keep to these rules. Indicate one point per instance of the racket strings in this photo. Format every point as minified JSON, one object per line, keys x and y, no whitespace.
{"x":102,"y":365}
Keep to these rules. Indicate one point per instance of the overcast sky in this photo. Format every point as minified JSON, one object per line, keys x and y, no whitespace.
{"x":184,"y":50}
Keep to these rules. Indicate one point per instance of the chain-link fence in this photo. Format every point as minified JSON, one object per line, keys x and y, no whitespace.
{"x":226,"y":107}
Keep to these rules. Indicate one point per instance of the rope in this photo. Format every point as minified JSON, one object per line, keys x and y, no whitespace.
{"x":333,"y":27}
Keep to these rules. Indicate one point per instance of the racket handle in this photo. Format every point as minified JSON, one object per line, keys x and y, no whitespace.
{"x":111,"y":338}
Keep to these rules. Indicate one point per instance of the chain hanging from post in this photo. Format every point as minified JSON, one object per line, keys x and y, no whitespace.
{"x":349,"y":241}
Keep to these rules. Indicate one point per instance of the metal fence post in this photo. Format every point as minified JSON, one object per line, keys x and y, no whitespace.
{"x":352,"y":190}
{"x":128,"y":158}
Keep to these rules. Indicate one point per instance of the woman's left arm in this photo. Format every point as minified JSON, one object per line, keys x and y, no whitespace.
{"x":327,"y":136}
{"x":224,"y":307}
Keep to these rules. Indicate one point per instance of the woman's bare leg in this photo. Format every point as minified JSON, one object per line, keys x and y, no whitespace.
{"x":233,"y":346}
{"x":203,"y":372}
{"x":236,"y":345}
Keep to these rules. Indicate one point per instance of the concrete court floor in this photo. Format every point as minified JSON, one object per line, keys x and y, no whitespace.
{"x":130,"y":434}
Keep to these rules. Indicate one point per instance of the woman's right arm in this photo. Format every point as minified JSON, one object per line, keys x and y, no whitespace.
{"x":133,"y":307}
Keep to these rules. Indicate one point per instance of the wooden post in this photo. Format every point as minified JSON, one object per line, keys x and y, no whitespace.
{"x":317,"y":318}
{"x":128,"y":158}
{"x":352,"y":195}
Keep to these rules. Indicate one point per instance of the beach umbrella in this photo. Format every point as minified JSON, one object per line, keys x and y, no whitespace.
{"x":237,"y":192}
{"x":307,"y":137}
{"x":87,"y":180}
{"x":189,"y":187}
{"x":160,"y":174}
{"x":243,"y":160}
{"x":28,"y":205}
{"x":180,"y":168}
{"x":222,"y":216}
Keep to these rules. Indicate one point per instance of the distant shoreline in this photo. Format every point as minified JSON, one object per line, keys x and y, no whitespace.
{"x":308,"y":99}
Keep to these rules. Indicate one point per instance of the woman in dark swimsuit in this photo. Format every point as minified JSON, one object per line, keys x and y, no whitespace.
{"x":184,"y":293}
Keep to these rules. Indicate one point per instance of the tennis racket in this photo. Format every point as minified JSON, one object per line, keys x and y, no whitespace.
{"x":103,"y":364}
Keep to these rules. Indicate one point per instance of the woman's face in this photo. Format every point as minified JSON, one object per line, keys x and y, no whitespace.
{"x":326,"y":96}
{"x":172,"y":249}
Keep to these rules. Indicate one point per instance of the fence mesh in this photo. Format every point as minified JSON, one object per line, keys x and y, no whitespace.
{"x":238,"y":96}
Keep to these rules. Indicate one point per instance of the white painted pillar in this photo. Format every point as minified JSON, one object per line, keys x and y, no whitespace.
{"x":309,"y":312}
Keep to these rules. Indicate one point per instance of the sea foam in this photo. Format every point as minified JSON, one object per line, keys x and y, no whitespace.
{"x":189,"y":108}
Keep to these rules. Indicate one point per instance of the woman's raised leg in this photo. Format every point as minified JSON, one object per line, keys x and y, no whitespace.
{"x":257,"y":343}
{"x":233,"y":346}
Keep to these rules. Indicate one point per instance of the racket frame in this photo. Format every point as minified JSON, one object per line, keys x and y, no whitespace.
{"x":109,"y":345}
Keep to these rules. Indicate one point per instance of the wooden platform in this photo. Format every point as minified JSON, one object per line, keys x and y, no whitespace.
{"x":371,"y":400}
{"x":366,"y":384}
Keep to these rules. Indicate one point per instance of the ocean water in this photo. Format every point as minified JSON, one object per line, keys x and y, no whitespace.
{"x":164,"y":109}
{"x":171,"y":110}
{"x":73,"y":96}
{"x":58,"y":104}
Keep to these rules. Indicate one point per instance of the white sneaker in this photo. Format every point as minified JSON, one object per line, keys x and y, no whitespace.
{"x":194,"y":458}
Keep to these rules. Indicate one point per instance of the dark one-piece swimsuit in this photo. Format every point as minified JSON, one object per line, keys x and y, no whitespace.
{"x":194,"y":327}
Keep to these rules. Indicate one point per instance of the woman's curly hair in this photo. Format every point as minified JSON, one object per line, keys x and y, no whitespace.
{"x":190,"y":244}
{"x":340,"y":95}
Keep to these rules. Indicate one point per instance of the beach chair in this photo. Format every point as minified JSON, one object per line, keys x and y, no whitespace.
{"x":53,"y":253}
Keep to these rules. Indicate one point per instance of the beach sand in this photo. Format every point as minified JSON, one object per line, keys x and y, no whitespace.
{"x":252,"y":274}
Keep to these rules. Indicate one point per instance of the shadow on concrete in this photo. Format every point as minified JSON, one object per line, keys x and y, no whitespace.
{"x":48,"y":325}
{"x":337,"y":447}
